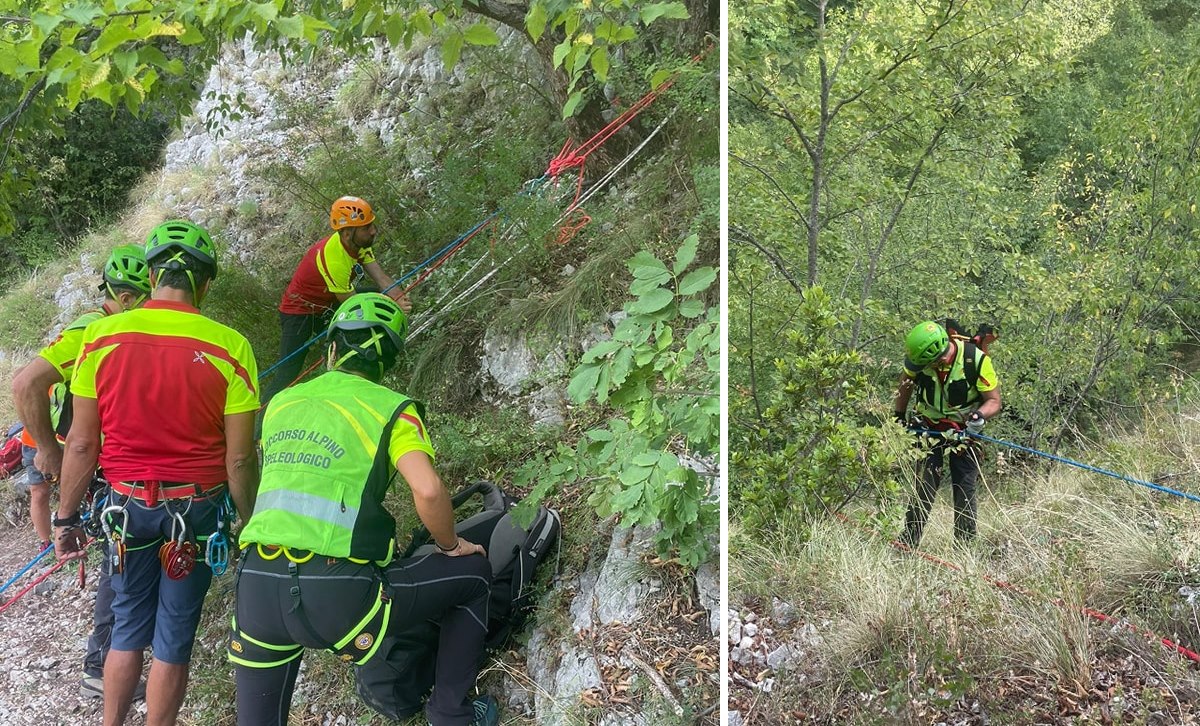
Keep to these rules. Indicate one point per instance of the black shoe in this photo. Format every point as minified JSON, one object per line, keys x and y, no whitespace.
{"x":487,"y":711}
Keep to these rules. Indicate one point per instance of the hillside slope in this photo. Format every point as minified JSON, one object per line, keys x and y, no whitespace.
{"x":435,"y":153}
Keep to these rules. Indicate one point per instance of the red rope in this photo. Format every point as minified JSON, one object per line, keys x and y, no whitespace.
{"x":1005,"y":585}
{"x":40,"y":578}
{"x":452,"y":251}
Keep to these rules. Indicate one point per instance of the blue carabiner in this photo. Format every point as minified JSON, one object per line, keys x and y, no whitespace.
{"x":216,"y":550}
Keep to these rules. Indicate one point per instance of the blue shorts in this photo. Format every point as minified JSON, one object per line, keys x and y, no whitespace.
{"x":151,"y":609}
{"x":33,"y":477}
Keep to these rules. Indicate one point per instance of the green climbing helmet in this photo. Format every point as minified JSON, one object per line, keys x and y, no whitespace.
{"x":170,"y":239}
{"x":372,"y":310}
{"x":926,"y":343}
{"x":126,"y":267}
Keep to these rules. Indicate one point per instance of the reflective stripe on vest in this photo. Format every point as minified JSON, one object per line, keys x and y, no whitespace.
{"x":308,"y":505}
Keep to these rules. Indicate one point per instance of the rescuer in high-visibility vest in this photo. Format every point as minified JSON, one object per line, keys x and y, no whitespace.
{"x":319,"y":567}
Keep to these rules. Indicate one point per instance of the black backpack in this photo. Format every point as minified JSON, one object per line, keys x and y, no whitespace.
{"x":397,"y":680}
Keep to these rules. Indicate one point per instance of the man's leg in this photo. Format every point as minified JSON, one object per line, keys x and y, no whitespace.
{"x":122,"y":669}
{"x":165,"y":689}
{"x":454,"y":591}
{"x":964,"y":473}
{"x":39,"y":496}
{"x":929,"y":476}
{"x":296,"y":330}
{"x":264,"y":695}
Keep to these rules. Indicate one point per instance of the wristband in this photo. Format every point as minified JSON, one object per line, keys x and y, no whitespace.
{"x":446,"y":549}
{"x":72,"y":521}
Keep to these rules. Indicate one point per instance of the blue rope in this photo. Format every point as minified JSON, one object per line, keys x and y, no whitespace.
{"x":26,"y":568}
{"x":1070,"y":462}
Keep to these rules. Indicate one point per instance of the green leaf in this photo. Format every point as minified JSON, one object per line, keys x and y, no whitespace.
{"x":660,"y":77}
{"x":651,"y":302}
{"x":394,"y":28}
{"x":691,"y":308}
{"x":600,"y":64}
{"x":290,"y":27}
{"x":674,"y":11}
{"x":452,"y":50}
{"x":571,"y":104}
{"x":114,"y":35}
{"x":191,"y":36}
{"x":583,"y":383}
{"x":636,"y":474}
{"x":560,"y":52}
{"x":686,"y":254}
{"x":481,"y":34}
{"x":535,"y":21}
{"x":697,"y":280}
{"x":420,"y":20}
{"x":265,"y":11}
{"x":645,"y":266}
{"x":45,"y":22}
{"x":125,"y":61}
{"x":82,"y":13}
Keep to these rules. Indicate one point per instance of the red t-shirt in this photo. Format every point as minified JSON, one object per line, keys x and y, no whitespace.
{"x":164,"y":377}
{"x":326,"y":268}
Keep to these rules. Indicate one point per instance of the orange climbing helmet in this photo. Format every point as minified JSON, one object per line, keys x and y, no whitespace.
{"x":350,"y":212}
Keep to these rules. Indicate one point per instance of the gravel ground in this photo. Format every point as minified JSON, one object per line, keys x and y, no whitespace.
{"x":43,"y":635}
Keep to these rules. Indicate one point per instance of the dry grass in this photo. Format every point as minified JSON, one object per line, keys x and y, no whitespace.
{"x":896,"y":628}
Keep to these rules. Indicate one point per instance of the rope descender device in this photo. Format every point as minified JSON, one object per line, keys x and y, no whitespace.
{"x":178,"y":554}
{"x":216,"y":550}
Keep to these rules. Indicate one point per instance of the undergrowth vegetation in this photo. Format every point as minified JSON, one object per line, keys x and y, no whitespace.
{"x":999,"y":630}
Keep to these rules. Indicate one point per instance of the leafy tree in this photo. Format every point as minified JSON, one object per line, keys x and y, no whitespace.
{"x":54,"y":55}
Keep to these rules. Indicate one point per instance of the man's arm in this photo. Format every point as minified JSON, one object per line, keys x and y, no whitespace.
{"x":903,"y":393}
{"x":241,"y":461}
{"x":78,"y":467}
{"x":31,"y":395}
{"x":385,"y":281}
{"x":991,"y":403}
{"x":433,"y":503}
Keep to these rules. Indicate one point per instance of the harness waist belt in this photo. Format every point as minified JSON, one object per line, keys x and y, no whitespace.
{"x":152,"y":491}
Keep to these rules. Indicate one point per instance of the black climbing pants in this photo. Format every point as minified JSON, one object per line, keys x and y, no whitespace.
{"x":296,"y":330}
{"x":964,"y":473}
{"x":335,"y":595}
{"x":102,"y":621}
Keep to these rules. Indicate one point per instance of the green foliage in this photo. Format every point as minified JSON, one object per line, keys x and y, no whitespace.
{"x":78,"y":181}
{"x":663,"y":392}
{"x":809,"y":451}
{"x":25,"y":317}
{"x":139,"y":55}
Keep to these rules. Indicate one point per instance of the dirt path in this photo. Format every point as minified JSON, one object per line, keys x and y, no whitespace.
{"x":44,"y":634}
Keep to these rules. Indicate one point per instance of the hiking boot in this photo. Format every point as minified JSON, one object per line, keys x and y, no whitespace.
{"x":44,"y":545}
{"x":487,"y":711}
{"x":93,"y":687}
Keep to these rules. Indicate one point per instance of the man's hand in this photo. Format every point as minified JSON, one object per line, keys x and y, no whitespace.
{"x":975,"y":423}
{"x":462,"y":548}
{"x":48,"y":460}
{"x":70,"y":543}
{"x":401,"y":299}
